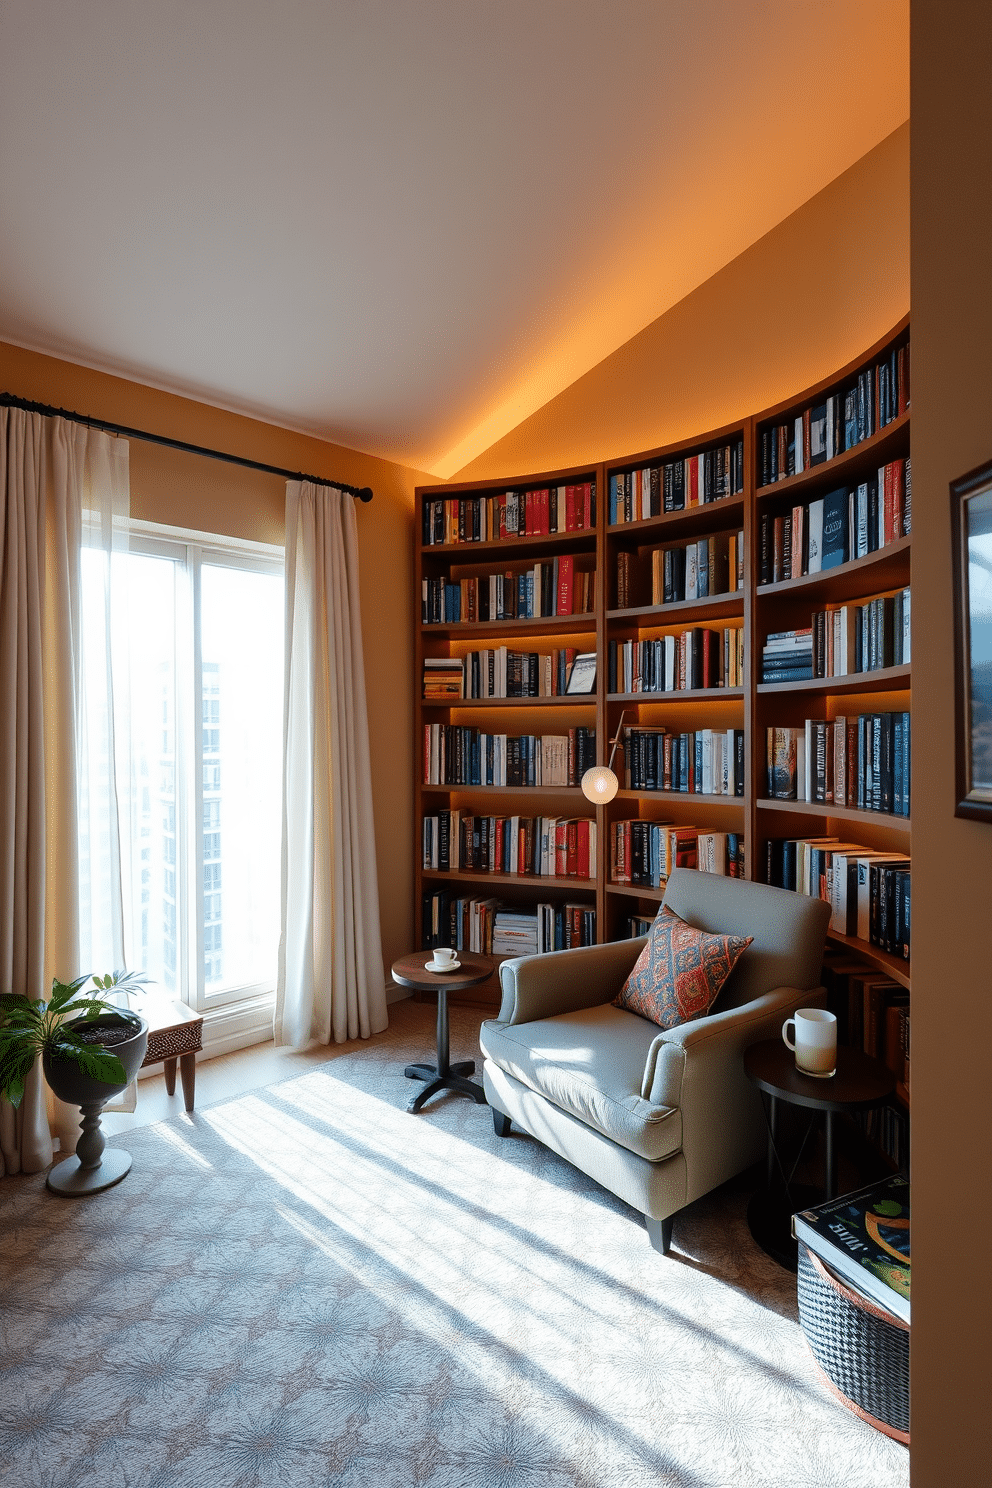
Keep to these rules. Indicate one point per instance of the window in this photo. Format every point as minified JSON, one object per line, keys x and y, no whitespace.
{"x":201,"y":705}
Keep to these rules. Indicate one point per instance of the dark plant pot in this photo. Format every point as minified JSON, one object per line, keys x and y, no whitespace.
{"x":92,"y":1168}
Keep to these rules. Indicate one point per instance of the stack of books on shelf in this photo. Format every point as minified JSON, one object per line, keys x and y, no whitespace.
{"x":501,"y":673}
{"x":695,"y":658}
{"x":704,"y":762}
{"x":549,"y":509}
{"x":549,"y":928}
{"x":644,"y":853}
{"x":700,"y":569}
{"x":454,"y":755}
{"x":677,"y":485}
{"x":549,"y":846}
{"x":862,"y":762}
{"x":464,"y":923}
{"x":851,"y":522}
{"x":840,"y":422}
{"x":542,"y":591}
{"x":787,"y":656}
{"x":864,"y":1238}
{"x":444,"y":678}
{"x":869,"y":892}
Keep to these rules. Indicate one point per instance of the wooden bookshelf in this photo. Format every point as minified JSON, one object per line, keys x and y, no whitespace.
{"x":758,"y":609}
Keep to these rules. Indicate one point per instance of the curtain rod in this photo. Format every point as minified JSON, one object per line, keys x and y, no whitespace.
{"x":11,"y":400}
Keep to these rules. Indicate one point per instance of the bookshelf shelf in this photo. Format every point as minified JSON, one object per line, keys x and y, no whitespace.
{"x":679,"y":695}
{"x":542,"y":882}
{"x":728,"y":531}
{"x":838,"y":813}
{"x":584,"y":624}
{"x":843,"y":469}
{"x":686,"y":611}
{"x":885,"y":679}
{"x":560,"y":700}
{"x":888,"y":568}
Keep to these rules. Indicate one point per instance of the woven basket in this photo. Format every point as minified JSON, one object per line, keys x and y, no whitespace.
{"x":862,"y":1352}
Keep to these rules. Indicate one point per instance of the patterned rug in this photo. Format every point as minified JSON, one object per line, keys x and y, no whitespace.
{"x":305,"y":1287}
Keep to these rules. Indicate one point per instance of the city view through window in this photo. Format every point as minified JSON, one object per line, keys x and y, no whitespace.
{"x":198,"y":700}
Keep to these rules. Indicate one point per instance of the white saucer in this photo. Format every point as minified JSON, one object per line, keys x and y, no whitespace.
{"x":433,"y":966}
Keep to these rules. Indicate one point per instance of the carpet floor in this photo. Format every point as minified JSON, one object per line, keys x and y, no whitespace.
{"x":304,"y":1287}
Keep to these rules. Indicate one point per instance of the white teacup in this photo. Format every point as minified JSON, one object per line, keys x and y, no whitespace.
{"x":443,"y":956}
{"x":814,"y":1041}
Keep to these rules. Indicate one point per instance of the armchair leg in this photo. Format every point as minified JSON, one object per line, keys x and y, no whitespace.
{"x":501,"y":1123}
{"x":660,"y":1232}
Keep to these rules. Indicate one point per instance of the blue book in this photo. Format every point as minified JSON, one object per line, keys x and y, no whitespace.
{"x":834,"y":547}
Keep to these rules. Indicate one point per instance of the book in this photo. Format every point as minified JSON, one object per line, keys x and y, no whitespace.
{"x":864,"y":1238}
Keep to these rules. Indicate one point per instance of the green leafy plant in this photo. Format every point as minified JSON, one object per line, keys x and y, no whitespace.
{"x":29,"y":1028}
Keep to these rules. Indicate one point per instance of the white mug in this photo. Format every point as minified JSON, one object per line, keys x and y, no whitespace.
{"x":443,"y":955}
{"x":814,"y":1041}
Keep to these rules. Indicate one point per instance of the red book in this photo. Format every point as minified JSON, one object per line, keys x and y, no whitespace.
{"x":427,"y":754}
{"x":542,"y":503}
{"x":521,"y":866}
{"x":502,"y":516}
{"x":572,"y":849}
{"x":888,"y":529}
{"x":582,"y":848}
{"x":571,"y":508}
{"x":498,"y":845}
{"x":566,"y":573}
{"x":902,"y":372}
{"x":807,"y":439}
{"x":587,"y":504}
{"x":692,"y":481}
{"x":898,"y":496}
{"x":529,"y":514}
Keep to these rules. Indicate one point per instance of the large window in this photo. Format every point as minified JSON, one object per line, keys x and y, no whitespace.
{"x":197,"y":717}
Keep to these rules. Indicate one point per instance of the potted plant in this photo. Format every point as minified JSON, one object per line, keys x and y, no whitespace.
{"x":90,"y":1051}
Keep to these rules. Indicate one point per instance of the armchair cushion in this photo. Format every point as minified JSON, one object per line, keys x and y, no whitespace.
{"x":680,"y":971}
{"x":591,"y":1064}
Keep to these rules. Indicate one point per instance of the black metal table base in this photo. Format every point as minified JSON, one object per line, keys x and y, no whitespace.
{"x":453,"y":1079}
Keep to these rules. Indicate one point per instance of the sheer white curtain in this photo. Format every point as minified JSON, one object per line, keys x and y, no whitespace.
{"x":51,"y":471}
{"x":331,"y":983}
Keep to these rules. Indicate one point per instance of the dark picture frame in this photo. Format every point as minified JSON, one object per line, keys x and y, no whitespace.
{"x":971,"y":562}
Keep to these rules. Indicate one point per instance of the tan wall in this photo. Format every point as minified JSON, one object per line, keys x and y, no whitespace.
{"x":806,"y":298}
{"x":952,"y":860}
{"x":189,"y":491}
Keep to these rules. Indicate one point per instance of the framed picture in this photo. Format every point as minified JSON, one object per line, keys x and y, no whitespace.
{"x":582,"y":677}
{"x":971,"y":537}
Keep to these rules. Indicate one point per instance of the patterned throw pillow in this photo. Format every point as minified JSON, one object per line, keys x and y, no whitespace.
{"x":680,"y":971}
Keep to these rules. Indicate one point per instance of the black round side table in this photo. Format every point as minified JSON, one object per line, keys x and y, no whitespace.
{"x":411,"y":971}
{"x":859,"y":1084}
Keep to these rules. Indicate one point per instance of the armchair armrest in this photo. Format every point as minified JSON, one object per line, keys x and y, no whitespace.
{"x":565,"y":981}
{"x":719,"y":1038}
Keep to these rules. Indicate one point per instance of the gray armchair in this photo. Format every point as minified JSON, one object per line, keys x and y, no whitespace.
{"x":658,"y":1117}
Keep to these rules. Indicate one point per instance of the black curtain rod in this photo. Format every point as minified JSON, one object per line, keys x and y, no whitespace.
{"x":10,"y":400}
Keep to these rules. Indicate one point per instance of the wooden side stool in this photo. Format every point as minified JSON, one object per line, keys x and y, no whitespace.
{"x":175,"y":1031}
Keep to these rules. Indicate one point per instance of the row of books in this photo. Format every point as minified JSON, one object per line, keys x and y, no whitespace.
{"x":547,"y":846}
{"x":555,"y":587}
{"x":684,"y":571}
{"x":696,"y":658}
{"x":677,"y":485}
{"x":840,"y":422}
{"x":842,"y":641}
{"x":868,"y":892}
{"x":499,"y":673}
{"x":492,"y":928}
{"x":454,"y":755}
{"x":863,"y":761}
{"x":644,"y":853}
{"x":872,"y":1012}
{"x":549,"y":509}
{"x":845,"y":524}
{"x":704,"y":762}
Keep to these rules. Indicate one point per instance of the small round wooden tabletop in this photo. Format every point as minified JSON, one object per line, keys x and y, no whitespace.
{"x":859,"y":1083}
{"x":411,"y":971}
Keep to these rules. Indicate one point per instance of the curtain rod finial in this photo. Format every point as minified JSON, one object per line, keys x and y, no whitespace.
{"x":365,"y":494}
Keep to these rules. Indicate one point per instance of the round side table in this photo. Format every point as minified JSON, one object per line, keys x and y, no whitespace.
{"x":411,"y":971}
{"x":859,"y":1084}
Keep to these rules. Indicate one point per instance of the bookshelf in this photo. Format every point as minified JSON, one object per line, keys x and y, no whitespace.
{"x":644,"y":610}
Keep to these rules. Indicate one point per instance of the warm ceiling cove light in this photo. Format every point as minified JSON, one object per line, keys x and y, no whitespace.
{"x":599,"y":784}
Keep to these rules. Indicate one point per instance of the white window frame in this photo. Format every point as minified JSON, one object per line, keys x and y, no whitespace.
{"x":189,"y":550}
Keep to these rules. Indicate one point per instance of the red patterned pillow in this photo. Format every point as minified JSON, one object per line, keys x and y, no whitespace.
{"x":680,"y":971}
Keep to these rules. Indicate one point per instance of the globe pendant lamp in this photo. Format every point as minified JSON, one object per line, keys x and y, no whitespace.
{"x":599,"y":784}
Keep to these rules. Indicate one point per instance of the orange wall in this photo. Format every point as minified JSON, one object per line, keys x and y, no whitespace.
{"x":209,"y":496}
{"x":952,"y":863}
{"x":805,"y":299}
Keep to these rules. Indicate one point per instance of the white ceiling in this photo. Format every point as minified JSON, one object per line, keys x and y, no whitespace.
{"x":403,"y":225}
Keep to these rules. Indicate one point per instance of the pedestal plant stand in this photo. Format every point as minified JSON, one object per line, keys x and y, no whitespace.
{"x":93,"y":1168}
